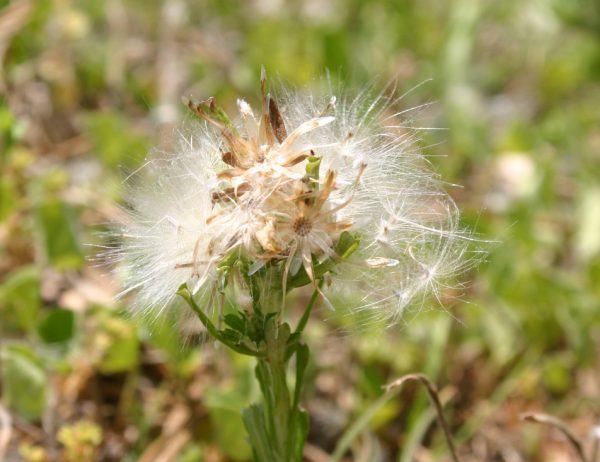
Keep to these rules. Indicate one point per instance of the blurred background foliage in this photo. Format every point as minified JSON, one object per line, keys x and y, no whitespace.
{"x":87,"y":87}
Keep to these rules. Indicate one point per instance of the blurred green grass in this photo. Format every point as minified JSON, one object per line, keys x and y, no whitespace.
{"x":89,"y":86}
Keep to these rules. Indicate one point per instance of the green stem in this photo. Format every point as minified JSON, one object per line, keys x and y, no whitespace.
{"x":277,"y":400}
{"x":308,"y":310}
{"x":286,"y":424}
{"x":277,"y":428}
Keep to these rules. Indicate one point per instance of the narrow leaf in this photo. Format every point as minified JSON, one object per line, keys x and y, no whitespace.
{"x":276,"y":120}
{"x":24,"y":381}
{"x":58,"y":234}
{"x":255,"y":424}
{"x":58,"y":326}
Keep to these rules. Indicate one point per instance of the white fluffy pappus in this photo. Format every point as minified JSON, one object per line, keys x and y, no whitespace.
{"x":246,"y":186}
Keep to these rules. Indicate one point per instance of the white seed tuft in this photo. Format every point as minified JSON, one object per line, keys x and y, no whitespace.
{"x":246,"y":188}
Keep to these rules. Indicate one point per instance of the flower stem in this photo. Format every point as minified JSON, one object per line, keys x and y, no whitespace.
{"x":286,"y":424}
{"x":277,"y":427}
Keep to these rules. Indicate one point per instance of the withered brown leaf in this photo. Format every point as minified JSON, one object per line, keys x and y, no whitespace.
{"x":276,"y":121}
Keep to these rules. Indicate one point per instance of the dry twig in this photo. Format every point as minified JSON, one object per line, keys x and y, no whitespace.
{"x":561,"y":426}
{"x":434,"y":397}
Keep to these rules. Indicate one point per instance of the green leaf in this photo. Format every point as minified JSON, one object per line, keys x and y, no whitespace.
{"x":210,"y":109}
{"x":24,"y":381}
{"x":123,"y":352}
{"x":57,"y":227}
{"x":312,"y":167}
{"x":364,"y":419}
{"x":223,"y":407}
{"x":254,"y":283}
{"x":20,"y":299}
{"x":231,"y":335}
{"x":345,"y":247}
{"x":58,"y":326}
{"x":556,"y":372}
{"x":256,"y":328}
{"x":225,"y":266}
{"x":301,"y":427}
{"x":301,"y":278}
{"x":229,"y":261}
{"x":347,"y":244}
{"x":254,"y":421}
{"x":300,"y":418}
{"x":262,"y":374}
{"x":302,"y":355}
{"x":237,"y":321}
{"x":185,"y":293}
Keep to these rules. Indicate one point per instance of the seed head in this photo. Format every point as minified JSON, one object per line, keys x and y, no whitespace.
{"x":283,"y":187}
